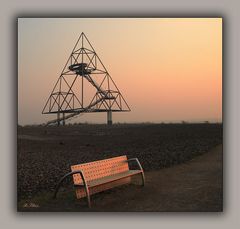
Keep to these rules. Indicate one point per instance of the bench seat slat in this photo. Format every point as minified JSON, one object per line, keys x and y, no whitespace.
{"x":111,"y":178}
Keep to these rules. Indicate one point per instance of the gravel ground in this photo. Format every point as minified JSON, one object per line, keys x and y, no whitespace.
{"x":45,"y":154}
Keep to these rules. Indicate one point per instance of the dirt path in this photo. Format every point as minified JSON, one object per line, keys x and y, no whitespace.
{"x":192,"y":186}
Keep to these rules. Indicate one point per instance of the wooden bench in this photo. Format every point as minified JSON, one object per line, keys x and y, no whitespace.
{"x":97,"y":176}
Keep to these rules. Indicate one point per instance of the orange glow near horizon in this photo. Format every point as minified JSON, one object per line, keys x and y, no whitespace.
{"x":167,"y":69}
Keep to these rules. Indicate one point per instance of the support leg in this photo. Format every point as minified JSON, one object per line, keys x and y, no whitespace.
{"x":109,"y":117}
{"x":58,"y":119}
{"x":63,"y":122}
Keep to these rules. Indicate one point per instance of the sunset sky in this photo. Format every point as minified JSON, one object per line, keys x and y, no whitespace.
{"x":168,"y":70}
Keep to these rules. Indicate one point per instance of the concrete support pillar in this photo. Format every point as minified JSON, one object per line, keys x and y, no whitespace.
{"x":63,"y":122}
{"x":58,"y":119}
{"x":109,"y":117}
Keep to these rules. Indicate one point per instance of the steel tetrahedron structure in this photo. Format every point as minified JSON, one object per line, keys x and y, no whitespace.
{"x":83,"y":86}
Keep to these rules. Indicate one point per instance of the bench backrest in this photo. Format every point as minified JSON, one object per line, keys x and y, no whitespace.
{"x":102,"y":168}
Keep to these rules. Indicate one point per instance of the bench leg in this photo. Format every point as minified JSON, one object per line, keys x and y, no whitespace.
{"x":143,"y":178}
{"x":84,"y":182}
{"x":88,"y":196}
{"x":60,"y":182}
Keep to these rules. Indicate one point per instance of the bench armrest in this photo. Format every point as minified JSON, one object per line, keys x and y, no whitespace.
{"x":67,"y":175}
{"x":84,"y":183}
{"x":136,"y":160}
{"x":139,"y":165}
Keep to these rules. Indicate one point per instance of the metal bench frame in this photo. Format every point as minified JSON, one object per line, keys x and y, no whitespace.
{"x":85,"y":182}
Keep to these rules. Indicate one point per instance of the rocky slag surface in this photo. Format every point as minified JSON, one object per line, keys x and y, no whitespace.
{"x":44,"y":154}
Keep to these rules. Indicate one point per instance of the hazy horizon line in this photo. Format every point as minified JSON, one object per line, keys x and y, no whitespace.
{"x":124,"y":123}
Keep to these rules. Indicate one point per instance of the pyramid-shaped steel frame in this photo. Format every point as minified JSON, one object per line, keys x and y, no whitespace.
{"x":84,"y":63}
